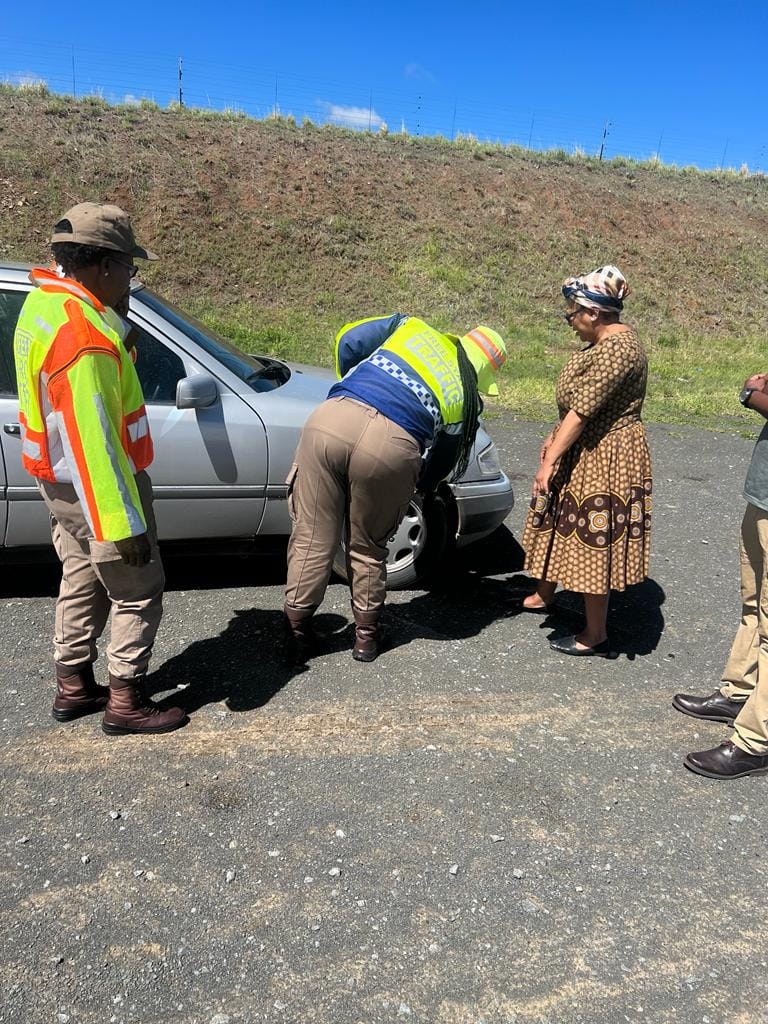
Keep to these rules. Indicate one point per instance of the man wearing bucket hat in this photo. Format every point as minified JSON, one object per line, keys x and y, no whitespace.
{"x":86,"y":441}
{"x":404,"y":388}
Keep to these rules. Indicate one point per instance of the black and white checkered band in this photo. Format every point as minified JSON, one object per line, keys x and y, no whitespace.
{"x":423,"y":393}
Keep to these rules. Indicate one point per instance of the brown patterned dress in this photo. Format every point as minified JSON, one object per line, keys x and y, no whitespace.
{"x":592,"y":534}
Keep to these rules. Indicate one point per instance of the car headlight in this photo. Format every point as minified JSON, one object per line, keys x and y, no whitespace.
{"x":488,"y":461}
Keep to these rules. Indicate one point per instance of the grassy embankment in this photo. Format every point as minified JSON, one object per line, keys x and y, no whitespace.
{"x":276,"y":234}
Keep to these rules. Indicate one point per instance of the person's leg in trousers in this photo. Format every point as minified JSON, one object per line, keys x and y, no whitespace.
{"x":82,"y":610}
{"x":317,"y":495}
{"x":136,"y":594}
{"x":383,"y":472}
{"x":751,"y":725}
{"x":740,"y":673}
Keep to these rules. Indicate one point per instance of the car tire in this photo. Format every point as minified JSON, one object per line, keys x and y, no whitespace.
{"x":418,"y":547}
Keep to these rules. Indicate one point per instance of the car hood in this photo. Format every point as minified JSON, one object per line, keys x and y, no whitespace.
{"x":303,"y":375}
{"x":285,"y":409}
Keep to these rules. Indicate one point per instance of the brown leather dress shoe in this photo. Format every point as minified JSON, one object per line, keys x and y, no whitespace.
{"x":714,"y":708}
{"x":726,"y":762}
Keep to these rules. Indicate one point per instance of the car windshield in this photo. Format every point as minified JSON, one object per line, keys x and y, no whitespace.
{"x":259,"y":372}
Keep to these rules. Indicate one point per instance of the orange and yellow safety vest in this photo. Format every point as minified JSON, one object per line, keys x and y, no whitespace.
{"x":80,"y":403}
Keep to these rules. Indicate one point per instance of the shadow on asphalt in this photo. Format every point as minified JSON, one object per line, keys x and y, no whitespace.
{"x":245,"y":665}
{"x":464,"y":598}
{"x":206,"y":571}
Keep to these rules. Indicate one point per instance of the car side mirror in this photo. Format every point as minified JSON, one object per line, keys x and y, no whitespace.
{"x":196,"y":392}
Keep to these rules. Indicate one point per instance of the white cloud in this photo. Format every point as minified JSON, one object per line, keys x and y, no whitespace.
{"x":361,"y":118}
{"x":130,"y":100}
{"x":420,"y":73}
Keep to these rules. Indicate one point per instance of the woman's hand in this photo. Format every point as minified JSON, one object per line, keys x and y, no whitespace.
{"x":542,"y":482}
{"x":568,"y":430}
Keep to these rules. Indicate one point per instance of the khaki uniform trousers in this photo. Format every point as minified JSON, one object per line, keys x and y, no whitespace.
{"x":95,"y":581}
{"x":355,"y":470}
{"x":745,"y":677}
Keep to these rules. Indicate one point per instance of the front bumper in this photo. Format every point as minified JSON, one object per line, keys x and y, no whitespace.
{"x":482,"y":506}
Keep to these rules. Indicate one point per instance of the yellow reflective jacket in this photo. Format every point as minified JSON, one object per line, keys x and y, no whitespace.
{"x":80,"y":403}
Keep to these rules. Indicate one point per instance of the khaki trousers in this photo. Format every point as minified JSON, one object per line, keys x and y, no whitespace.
{"x":355,"y":470}
{"x":745,"y":677}
{"x":95,"y":581}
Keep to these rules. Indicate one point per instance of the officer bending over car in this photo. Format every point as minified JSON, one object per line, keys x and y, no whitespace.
{"x":404,"y":387}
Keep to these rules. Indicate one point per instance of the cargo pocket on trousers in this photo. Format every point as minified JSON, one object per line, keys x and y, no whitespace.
{"x":290,"y":483}
{"x":394,"y":527}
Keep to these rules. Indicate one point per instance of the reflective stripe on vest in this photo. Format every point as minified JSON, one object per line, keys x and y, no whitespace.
{"x":423,"y":393}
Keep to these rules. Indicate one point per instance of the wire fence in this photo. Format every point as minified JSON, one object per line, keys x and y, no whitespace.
{"x":417,"y":111}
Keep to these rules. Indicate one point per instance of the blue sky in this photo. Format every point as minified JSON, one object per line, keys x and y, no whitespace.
{"x":686,"y":80}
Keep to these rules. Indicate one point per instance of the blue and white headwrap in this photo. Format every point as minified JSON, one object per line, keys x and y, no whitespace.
{"x":604,"y":289}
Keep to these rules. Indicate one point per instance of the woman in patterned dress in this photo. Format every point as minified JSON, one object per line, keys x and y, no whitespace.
{"x":588,"y":526}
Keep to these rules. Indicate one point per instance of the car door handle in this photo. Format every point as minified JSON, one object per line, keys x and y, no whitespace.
{"x":14,"y":429}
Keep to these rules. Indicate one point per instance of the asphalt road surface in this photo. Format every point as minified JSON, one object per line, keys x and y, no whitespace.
{"x":471,"y":830}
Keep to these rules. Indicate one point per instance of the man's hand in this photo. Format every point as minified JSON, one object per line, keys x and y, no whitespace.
{"x":135,"y":550}
{"x":757,"y":381}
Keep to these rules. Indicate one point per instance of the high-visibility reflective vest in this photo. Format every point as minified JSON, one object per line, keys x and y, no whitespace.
{"x":432,"y":358}
{"x":80,"y":403}
{"x":424,"y":358}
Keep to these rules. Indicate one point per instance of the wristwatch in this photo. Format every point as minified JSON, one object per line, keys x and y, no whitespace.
{"x":744,"y":396}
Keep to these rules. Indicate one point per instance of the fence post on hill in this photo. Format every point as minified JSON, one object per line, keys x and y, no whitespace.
{"x":602,"y":144}
{"x":181,"y":91}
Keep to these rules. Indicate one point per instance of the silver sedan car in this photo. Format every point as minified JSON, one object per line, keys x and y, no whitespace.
{"x":225,"y":426}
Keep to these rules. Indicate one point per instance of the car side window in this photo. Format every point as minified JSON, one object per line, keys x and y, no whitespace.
{"x":159,"y":370}
{"x":10,"y":307}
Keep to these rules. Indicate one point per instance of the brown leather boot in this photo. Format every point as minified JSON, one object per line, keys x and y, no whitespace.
{"x":129,"y":710}
{"x":369,"y":634}
{"x":302,"y":636}
{"x":77,"y":693}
